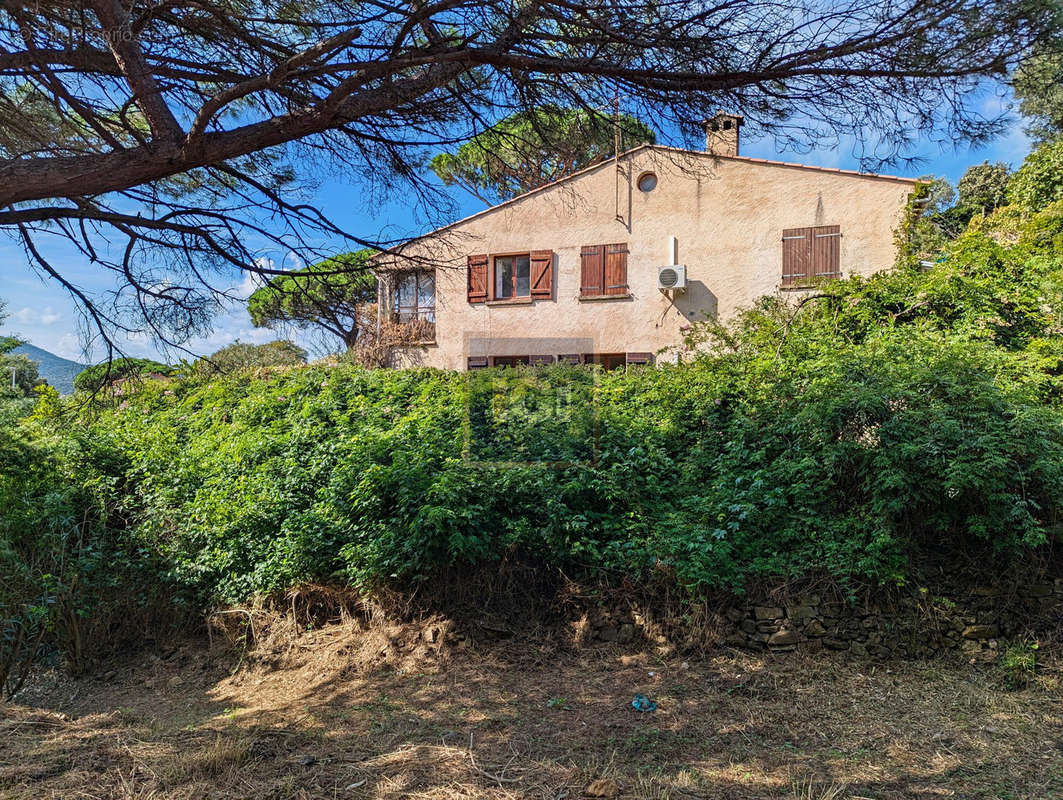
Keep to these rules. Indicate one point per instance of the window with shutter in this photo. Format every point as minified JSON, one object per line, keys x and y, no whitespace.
{"x":615,"y":269}
{"x":810,"y":255}
{"x":592,"y":261}
{"x":477,"y":280}
{"x":796,"y":256}
{"x":607,"y":361}
{"x":542,"y":274}
{"x":510,"y":361}
{"x":826,"y":252}
{"x":639,"y":358}
{"x":512,"y":277}
{"x":603,"y":270}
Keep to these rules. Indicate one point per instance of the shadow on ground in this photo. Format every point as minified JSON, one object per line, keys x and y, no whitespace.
{"x":309,"y":717}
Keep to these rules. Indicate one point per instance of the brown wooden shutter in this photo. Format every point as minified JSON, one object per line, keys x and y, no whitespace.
{"x":592,"y":259}
{"x":639,"y":358}
{"x":826,"y":252}
{"x":796,"y":256}
{"x":615,"y":269}
{"x":540,"y":360}
{"x":477,"y":284}
{"x":542,"y":273}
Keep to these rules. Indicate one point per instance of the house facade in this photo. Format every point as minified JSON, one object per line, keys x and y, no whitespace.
{"x":572,"y":271}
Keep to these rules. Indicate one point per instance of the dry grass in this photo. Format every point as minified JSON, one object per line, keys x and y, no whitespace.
{"x":388,"y":713}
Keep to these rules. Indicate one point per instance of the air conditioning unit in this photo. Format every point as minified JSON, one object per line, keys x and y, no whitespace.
{"x":674,"y":277}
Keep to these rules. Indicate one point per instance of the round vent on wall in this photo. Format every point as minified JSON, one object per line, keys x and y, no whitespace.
{"x":668,"y":278}
{"x":647,"y":182}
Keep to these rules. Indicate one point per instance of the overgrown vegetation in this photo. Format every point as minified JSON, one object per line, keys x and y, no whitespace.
{"x":877,"y":420}
{"x":96,"y":377}
{"x":240,"y":355}
{"x":18,"y":374}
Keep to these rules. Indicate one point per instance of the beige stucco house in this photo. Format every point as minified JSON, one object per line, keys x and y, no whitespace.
{"x":572,"y":271}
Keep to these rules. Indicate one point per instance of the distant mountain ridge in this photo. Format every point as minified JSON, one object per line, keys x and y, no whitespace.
{"x":58,"y":371}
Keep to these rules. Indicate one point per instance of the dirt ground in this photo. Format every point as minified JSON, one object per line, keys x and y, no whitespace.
{"x":343,"y":713}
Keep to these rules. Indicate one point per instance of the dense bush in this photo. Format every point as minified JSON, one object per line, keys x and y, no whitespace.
{"x":92,"y":379}
{"x":1040,"y":179}
{"x":883,"y":416}
{"x":240,"y":355}
{"x":71,"y":576}
{"x":983,"y":187}
{"x":845,"y":435}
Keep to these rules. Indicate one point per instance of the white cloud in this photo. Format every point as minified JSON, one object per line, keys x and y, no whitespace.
{"x":69,"y":345}
{"x":249,"y":282}
{"x":32,"y":316}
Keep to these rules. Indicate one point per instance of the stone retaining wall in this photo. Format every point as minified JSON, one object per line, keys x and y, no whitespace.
{"x":916,"y":624}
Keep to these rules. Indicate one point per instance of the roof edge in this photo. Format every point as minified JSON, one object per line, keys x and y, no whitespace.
{"x":632,"y":151}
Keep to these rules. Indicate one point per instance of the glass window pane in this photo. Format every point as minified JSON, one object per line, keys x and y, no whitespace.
{"x":523,"y":269}
{"x":426,"y":291}
{"x":504,"y":277}
{"x":407,"y":288}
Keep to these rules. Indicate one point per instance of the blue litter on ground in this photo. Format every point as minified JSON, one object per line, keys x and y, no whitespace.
{"x":643,"y":703}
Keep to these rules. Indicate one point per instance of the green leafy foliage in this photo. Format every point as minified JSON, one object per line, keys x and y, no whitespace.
{"x":847,"y":435}
{"x":25,"y":374}
{"x":73,"y":580}
{"x":18,"y":374}
{"x":94,"y":378}
{"x":1040,"y":179}
{"x":1038,"y":85}
{"x":1019,"y":664}
{"x":532,"y":148}
{"x":983,"y":187}
{"x":329,"y":295}
{"x":279,"y":353}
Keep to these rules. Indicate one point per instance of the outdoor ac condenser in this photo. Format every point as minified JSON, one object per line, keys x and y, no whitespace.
{"x":673,"y":277}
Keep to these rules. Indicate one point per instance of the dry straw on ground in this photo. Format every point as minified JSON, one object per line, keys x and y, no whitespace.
{"x":386,"y":711}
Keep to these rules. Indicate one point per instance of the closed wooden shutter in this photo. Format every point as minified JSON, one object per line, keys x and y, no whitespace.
{"x":592,"y":260}
{"x":540,"y":360}
{"x":811,"y":255}
{"x":826,"y":252}
{"x":542,"y":273}
{"x":796,"y":256}
{"x":477,"y":362}
{"x":615,"y":269}
{"x":477,"y":283}
{"x":639,"y":358}
{"x":570,"y":358}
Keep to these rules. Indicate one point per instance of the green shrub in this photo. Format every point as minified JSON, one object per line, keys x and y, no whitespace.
{"x":1039,"y":181}
{"x":983,"y":187}
{"x":844,"y":462}
{"x":73,"y":581}
{"x":1019,"y":663}
{"x":881,"y":420}
{"x":94,"y":378}
{"x":238,"y":355}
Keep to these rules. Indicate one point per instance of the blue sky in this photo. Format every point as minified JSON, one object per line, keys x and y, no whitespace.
{"x":42,"y":313}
